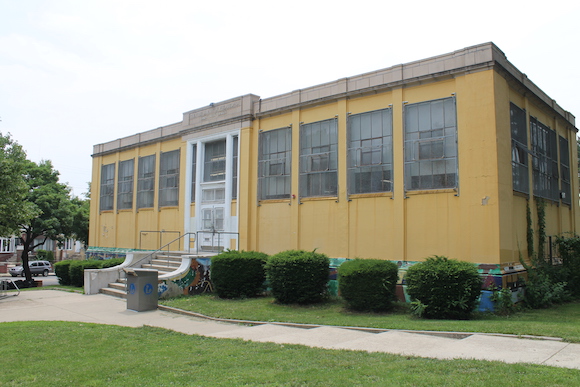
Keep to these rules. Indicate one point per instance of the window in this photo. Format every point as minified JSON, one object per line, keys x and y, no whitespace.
{"x":370,"y":152}
{"x":431,"y":145}
{"x":519,"y":149}
{"x":318,"y":159}
{"x":193,"y":171}
{"x":146,"y":182}
{"x":215,"y":161}
{"x":169,"y":179}
{"x":545,"y":161}
{"x":107,"y":187}
{"x":235,"y":169}
{"x":565,"y":191}
{"x":274,"y":164}
{"x":125,"y":185}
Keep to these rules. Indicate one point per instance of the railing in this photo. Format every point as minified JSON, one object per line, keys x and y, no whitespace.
{"x":142,"y":233}
{"x":4,"y":287}
{"x":162,"y":248}
{"x":214,"y":247}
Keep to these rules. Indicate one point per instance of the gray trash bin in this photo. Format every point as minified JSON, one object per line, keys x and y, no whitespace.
{"x":141,"y":289}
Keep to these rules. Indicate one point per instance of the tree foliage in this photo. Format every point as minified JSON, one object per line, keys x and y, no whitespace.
{"x":53,"y":209}
{"x":14,"y":209}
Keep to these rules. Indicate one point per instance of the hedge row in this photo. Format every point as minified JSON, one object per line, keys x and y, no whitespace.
{"x":71,"y":272}
{"x":440,"y":287}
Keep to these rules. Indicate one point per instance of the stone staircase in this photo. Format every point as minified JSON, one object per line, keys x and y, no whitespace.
{"x":162,"y":262}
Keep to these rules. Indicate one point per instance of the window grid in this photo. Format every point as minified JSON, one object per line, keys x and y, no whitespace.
{"x":520,"y":177}
{"x":146,"y":182}
{"x":370,"y":152}
{"x":169,"y":179}
{"x":107,"y":190}
{"x":215,"y":161}
{"x":125,"y":185}
{"x":319,"y":159}
{"x":193,"y":171}
{"x":431,"y":145}
{"x":545,"y":160}
{"x":274,"y":164}
{"x":235,"y":168}
{"x":566,"y":192}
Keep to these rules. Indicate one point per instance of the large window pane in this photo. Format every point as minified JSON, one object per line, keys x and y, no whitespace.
{"x":125,"y":185}
{"x":169,"y":179}
{"x":318,"y":159}
{"x":545,"y":160}
{"x":107,"y":190}
{"x":193,"y":171}
{"x":565,"y":189}
{"x":519,"y":149}
{"x":146,"y":182}
{"x":215,"y":161}
{"x":431,"y":145}
{"x":370,"y":152}
{"x":275,"y":152}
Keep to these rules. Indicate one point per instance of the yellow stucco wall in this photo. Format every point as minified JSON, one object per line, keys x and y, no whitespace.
{"x":483,"y":221}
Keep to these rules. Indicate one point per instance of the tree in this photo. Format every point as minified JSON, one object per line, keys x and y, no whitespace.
{"x":14,"y":209}
{"x":80,"y":224}
{"x":53,"y":207}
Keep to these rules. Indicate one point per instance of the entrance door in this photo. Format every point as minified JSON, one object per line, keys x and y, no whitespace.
{"x":212,"y":212}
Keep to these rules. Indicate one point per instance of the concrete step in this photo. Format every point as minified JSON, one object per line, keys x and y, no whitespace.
{"x":163,"y":262}
{"x":114,"y":292}
{"x":161,"y":269}
{"x":170,"y":258}
{"x":118,"y":285}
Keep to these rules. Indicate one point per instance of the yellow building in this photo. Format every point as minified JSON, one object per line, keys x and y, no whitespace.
{"x":442,"y":156}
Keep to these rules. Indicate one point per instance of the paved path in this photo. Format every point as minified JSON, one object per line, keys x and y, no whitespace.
{"x":51,"y":305}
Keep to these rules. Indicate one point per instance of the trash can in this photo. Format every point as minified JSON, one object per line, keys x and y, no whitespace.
{"x":141,"y":289}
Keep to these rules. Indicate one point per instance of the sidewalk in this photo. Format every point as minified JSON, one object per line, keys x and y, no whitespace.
{"x":51,"y":305}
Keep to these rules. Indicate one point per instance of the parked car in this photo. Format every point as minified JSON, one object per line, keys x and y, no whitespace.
{"x":36,"y":268}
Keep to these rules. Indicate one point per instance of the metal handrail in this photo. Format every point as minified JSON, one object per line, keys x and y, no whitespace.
{"x":167,"y":245}
{"x":4,"y":287}
{"x":160,"y":235}
{"x":219,"y":233}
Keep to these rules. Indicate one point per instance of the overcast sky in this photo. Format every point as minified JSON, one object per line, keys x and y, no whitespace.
{"x":78,"y":73}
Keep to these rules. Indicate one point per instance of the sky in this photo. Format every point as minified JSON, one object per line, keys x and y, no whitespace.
{"x":78,"y":73}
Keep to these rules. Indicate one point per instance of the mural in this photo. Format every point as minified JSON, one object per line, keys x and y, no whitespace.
{"x":195,"y":281}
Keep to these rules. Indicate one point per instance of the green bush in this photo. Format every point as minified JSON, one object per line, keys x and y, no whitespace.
{"x":61,"y":269}
{"x":77,"y":271}
{"x":368,"y":284}
{"x":298,"y":277}
{"x":45,"y":255}
{"x":569,"y":271}
{"x":236,"y":274}
{"x":443,"y":288}
{"x":542,"y":292}
{"x":111,"y":262}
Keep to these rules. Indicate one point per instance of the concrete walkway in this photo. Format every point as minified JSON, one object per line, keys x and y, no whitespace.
{"x":51,"y":305}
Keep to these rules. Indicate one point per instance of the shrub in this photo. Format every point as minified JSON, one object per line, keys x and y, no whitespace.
{"x":298,"y":276}
{"x":77,"y":271}
{"x":236,"y":274}
{"x":61,"y":269}
{"x":111,"y":262}
{"x":368,"y":284}
{"x":542,"y":292}
{"x":569,"y":248}
{"x":444,"y":288}
{"x":45,"y":255}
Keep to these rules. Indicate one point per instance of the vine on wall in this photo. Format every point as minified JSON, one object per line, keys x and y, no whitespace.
{"x":530,"y":230}
{"x":541,"y":208}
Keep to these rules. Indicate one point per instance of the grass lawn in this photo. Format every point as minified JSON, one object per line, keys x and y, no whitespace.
{"x":81,"y":354}
{"x":559,"y":321}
